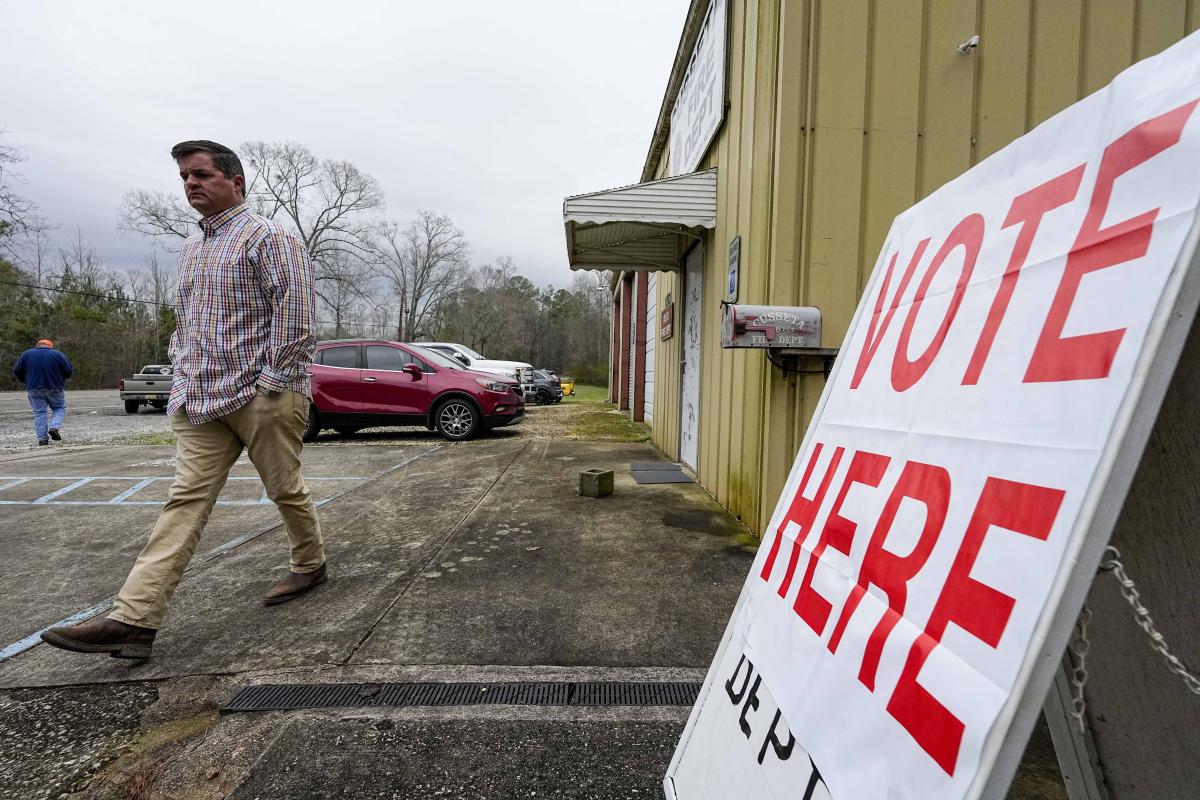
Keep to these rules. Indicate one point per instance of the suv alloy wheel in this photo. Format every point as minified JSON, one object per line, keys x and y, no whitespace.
{"x":456,"y":419}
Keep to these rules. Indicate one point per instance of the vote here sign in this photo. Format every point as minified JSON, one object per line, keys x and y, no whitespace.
{"x":962,"y":473}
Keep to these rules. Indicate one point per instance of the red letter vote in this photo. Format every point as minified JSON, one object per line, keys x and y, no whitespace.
{"x":803,"y":512}
{"x":967,"y":234}
{"x":1090,"y":355}
{"x":867,"y":469}
{"x":877,"y":327}
{"x":974,"y":607}
{"x":931,"y":486}
{"x":1026,"y":210}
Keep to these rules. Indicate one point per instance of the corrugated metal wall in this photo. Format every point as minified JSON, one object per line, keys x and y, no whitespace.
{"x":843,"y":113}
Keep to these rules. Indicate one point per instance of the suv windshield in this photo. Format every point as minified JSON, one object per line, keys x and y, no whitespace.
{"x":436,"y":357}
{"x":469,"y":352}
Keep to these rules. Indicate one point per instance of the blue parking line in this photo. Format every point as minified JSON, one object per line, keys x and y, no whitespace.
{"x":21,"y":645}
{"x":124,"y":503}
{"x":55,"y":498}
{"x":23,"y":478}
{"x":132,"y":490}
{"x":33,"y":639}
{"x":47,"y":498}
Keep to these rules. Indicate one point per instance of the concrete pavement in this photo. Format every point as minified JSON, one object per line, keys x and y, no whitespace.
{"x":476,"y":561}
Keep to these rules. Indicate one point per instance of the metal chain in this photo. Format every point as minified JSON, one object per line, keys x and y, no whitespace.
{"x":1078,"y":649}
{"x":1141,"y":615}
{"x":1079,"y":646}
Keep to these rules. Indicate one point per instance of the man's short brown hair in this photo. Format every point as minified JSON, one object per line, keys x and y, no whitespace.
{"x":223,"y":158}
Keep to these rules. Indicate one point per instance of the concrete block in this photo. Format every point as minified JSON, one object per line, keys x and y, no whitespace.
{"x":596,"y":482}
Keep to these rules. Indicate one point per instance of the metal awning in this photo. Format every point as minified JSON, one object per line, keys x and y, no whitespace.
{"x":646,"y":227}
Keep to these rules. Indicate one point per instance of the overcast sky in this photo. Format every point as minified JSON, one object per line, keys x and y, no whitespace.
{"x":488,"y":112}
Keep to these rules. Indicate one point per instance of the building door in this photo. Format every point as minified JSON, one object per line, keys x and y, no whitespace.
{"x":651,"y":344}
{"x":631,"y":350}
{"x":693,"y":293}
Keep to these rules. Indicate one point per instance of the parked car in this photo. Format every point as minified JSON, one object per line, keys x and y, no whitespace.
{"x":517,"y":370}
{"x":151,"y":386}
{"x":546,"y":387}
{"x":363,"y":383}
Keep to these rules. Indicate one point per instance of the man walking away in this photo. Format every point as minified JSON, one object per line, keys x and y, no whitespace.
{"x":245,"y":333}
{"x":44,"y":371}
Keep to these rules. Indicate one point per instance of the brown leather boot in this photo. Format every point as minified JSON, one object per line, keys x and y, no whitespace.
{"x":294,"y":585}
{"x":103,"y":635}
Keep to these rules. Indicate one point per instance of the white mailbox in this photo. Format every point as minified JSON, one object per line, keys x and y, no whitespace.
{"x":791,"y":327}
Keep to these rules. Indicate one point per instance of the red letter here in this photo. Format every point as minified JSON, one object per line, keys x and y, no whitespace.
{"x":929,"y":485}
{"x":803,"y":512}
{"x":838,"y":533}
{"x":1090,"y":355}
{"x":972,"y":606}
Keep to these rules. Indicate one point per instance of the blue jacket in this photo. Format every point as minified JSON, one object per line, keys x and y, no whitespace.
{"x":42,"y":368}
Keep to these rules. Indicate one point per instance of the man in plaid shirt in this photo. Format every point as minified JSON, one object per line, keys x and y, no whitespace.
{"x":244,"y":335}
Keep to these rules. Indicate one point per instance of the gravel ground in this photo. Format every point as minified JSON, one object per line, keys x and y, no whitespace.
{"x":96,"y":417}
{"x":51,"y":741}
{"x":93,"y":417}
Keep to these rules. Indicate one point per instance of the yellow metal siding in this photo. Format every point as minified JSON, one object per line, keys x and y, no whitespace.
{"x":1057,"y":37}
{"x":1005,"y":85}
{"x":781,"y":400}
{"x":843,"y":113}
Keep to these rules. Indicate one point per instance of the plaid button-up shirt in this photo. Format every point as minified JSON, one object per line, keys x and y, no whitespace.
{"x":245,"y":315}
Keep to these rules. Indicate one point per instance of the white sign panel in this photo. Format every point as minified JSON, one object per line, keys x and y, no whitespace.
{"x":700,"y":104}
{"x":956,"y":487}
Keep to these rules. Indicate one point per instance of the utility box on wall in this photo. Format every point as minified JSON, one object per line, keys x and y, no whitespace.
{"x":770,"y":326}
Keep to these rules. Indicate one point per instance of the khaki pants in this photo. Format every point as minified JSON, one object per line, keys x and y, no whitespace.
{"x":269,"y":428}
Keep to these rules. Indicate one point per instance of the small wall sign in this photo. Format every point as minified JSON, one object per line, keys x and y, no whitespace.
{"x":735,"y":260}
{"x":666,"y":328}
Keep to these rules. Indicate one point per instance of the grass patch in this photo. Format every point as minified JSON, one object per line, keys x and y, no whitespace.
{"x":156,"y":437}
{"x":605,"y":426}
{"x":587,"y":394}
{"x":747,"y":540}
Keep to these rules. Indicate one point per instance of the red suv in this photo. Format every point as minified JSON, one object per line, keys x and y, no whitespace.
{"x":363,"y":383}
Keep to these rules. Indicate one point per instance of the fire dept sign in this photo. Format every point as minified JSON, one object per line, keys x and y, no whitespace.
{"x":962,"y":474}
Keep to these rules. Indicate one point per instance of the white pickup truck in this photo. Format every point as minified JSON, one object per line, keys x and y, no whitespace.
{"x":152,"y":386}
{"x":518,"y":370}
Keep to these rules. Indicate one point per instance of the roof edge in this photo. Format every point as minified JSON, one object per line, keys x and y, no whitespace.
{"x":683,"y":54}
{"x":710,"y":170}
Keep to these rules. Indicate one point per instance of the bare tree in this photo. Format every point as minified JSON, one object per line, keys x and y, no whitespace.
{"x":154,"y":286}
{"x":82,"y":261}
{"x":18,"y":215}
{"x":379,"y":319}
{"x":158,"y":215}
{"x":423,"y":264}
{"x":323,"y":201}
{"x":162,"y":281}
{"x":482,"y":314}
{"x":37,"y":258}
{"x":344,"y":291}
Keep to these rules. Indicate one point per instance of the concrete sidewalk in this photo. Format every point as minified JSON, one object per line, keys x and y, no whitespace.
{"x":468,"y":562}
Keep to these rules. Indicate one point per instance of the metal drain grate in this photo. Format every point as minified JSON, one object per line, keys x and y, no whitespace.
{"x":635,"y":694}
{"x":290,"y":697}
